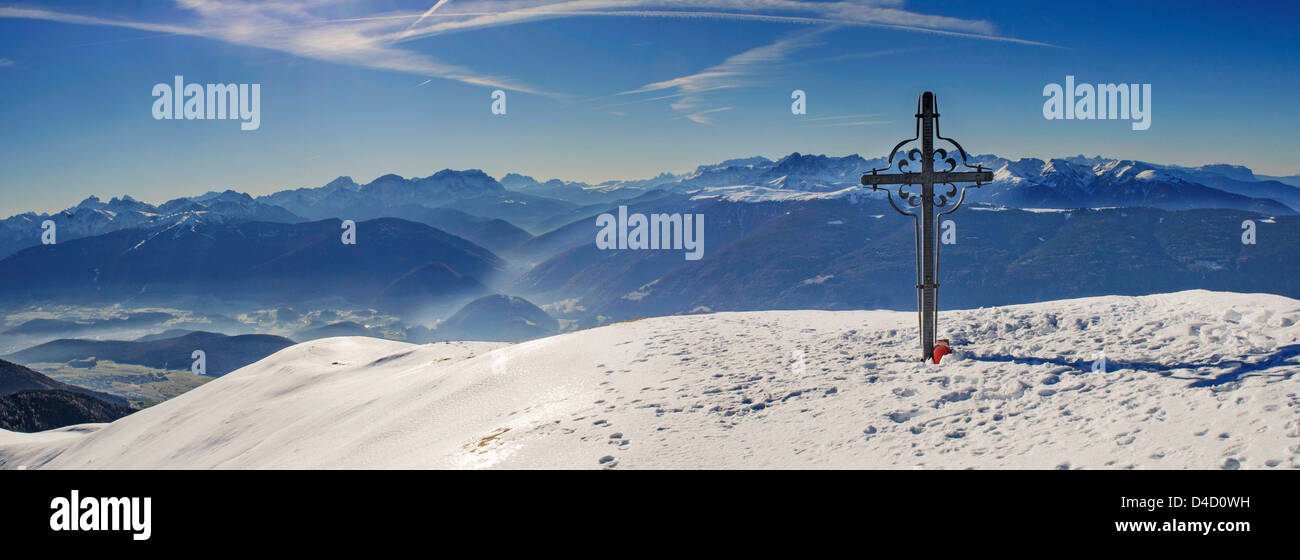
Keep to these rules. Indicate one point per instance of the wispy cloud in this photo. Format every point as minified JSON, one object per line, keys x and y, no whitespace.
{"x":289,"y":26}
{"x":376,"y":40}
{"x":64,"y":17}
{"x":877,"y":13}
{"x":838,"y":117}
{"x":5,"y":62}
{"x":853,"y":123}
{"x":703,"y":117}
{"x":736,"y":71}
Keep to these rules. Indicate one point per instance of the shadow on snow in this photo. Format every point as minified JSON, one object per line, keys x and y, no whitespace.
{"x":1240,"y":368}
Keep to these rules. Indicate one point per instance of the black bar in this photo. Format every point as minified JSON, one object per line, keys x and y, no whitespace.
{"x":249,"y":510}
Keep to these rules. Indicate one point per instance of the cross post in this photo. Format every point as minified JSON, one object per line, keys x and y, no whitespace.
{"x":927,"y":247}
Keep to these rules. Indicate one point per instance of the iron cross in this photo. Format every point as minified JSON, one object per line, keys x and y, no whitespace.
{"x":927,"y":248}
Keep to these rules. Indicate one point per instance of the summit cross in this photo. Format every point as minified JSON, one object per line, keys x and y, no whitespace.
{"x":929,"y":203}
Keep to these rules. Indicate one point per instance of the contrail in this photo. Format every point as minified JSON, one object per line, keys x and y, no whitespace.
{"x":424,"y":15}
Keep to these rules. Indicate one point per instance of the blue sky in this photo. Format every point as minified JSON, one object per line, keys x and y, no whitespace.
{"x":602,"y":89}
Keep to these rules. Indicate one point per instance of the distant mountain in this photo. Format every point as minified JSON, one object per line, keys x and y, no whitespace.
{"x":497,"y":318}
{"x":90,"y":217}
{"x":15,"y":378}
{"x":37,"y":411}
{"x":253,"y":261}
{"x":1293,"y":180}
{"x":591,"y":211}
{"x":231,"y":207}
{"x":515,"y":181}
{"x":495,"y":234}
{"x":579,"y":269}
{"x":223,"y":353}
{"x":44,"y":326}
{"x":36,"y":327}
{"x":570,"y":191}
{"x":1062,"y":183}
{"x":94,"y":217}
{"x":169,"y":333}
{"x":470,"y":191}
{"x":426,"y":288}
{"x":575,"y":227}
{"x":583,"y":193}
{"x":800,"y":172}
{"x":1074,"y":182}
{"x":341,"y":328}
{"x":1240,"y":180}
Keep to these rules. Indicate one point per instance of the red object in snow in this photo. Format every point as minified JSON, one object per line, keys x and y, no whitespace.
{"x":940,"y":352}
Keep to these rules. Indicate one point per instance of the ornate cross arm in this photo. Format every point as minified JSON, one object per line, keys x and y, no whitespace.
{"x":979,"y":177}
{"x":927,"y":131}
{"x":915,"y":178}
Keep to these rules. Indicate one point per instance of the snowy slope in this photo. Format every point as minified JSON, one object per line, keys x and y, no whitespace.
{"x":1196,"y":379}
{"x":754,"y":193}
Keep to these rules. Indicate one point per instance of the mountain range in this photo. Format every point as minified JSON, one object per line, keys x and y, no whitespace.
{"x":496,"y":214}
{"x":223,"y":354}
{"x":1072,"y":182}
{"x":466,"y":200}
{"x":470,"y":191}
{"x":95,"y":217}
{"x":795,"y":232}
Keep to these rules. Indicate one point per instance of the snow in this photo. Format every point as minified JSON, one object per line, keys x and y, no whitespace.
{"x":1046,"y":210}
{"x":179,"y":223}
{"x":1193,"y":379}
{"x":756,"y":193}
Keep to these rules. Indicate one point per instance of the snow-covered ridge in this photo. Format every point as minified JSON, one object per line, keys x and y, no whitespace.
{"x":1193,"y":380}
{"x":758,"y":193}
